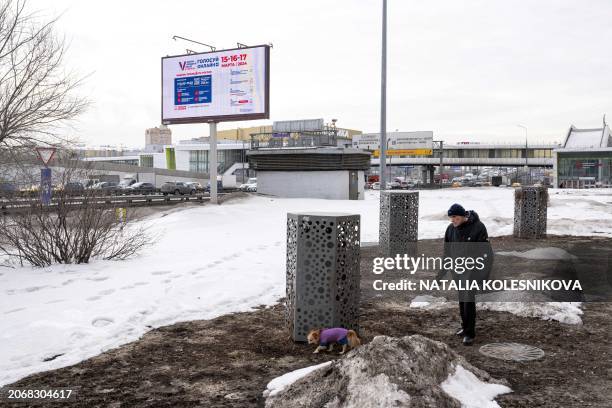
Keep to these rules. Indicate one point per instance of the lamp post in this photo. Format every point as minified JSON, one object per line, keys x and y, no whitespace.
{"x":526,"y":150}
{"x":383,"y":101}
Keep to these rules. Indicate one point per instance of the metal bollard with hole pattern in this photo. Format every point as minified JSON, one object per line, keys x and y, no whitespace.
{"x":323,"y":254}
{"x":530,"y":212}
{"x":399,"y":222}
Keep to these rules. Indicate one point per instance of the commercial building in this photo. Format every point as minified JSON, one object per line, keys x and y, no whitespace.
{"x":585,"y":158}
{"x":156,"y":138}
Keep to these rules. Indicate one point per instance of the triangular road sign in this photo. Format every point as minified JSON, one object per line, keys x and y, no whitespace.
{"x":45,"y":154}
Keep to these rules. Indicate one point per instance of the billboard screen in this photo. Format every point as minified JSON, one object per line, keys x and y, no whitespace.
{"x":399,"y":143}
{"x":216,"y":86}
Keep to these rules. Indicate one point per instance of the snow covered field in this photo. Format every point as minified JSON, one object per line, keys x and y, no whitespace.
{"x":208,"y":261}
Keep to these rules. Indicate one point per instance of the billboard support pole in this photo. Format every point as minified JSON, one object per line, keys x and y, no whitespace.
{"x":212,"y":161}
{"x":383,"y":102}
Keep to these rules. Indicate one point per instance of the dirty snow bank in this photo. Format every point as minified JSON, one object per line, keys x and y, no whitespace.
{"x":389,"y":371}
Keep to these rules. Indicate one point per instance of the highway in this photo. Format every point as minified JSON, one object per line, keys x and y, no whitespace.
{"x":12,"y":205}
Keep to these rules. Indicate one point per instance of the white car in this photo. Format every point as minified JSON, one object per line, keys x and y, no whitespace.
{"x":250,"y":185}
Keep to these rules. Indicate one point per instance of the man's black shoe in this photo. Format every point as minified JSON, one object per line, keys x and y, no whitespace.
{"x":460,"y":332}
{"x":467,"y":341}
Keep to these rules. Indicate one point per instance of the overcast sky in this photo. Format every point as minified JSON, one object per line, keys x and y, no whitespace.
{"x":468,"y":70}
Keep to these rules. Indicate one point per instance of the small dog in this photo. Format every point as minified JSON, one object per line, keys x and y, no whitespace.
{"x":325,"y":338}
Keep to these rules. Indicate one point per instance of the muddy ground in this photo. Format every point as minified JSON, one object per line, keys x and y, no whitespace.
{"x":227,"y":361}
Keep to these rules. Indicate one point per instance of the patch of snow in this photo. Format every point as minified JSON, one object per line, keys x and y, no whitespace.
{"x":278,"y":384}
{"x":429,"y":302}
{"x":563,"y":312}
{"x":470,"y":391}
{"x":550,"y":253}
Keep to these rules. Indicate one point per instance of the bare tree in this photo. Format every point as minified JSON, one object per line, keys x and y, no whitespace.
{"x":37,"y":96}
{"x":76,"y":227}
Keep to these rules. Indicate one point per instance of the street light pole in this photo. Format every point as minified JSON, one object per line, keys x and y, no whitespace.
{"x":383,"y":101}
{"x":526,"y":153}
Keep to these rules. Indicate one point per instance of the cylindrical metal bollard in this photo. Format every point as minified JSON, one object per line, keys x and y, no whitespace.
{"x":530,"y":212}
{"x":399,"y":222}
{"x":323,"y":255}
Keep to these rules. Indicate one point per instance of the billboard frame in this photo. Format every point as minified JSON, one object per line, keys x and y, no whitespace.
{"x":221,"y":118}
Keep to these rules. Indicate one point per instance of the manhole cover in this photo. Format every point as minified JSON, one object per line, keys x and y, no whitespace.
{"x":512,"y":351}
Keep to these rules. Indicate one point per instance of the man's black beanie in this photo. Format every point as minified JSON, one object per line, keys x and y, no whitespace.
{"x":456,"y":209}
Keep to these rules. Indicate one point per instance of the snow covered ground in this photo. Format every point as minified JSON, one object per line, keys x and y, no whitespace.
{"x":212,"y":260}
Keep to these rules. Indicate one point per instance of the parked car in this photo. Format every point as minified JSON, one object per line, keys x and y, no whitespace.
{"x":176,"y":187}
{"x":127,"y":182}
{"x":376,"y":185}
{"x":72,"y":188}
{"x":106,"y":187}
{"x":7,"y":189}
{"x":141,"y":188}
{"x":195,"y":185}
{"x":250,"y":185}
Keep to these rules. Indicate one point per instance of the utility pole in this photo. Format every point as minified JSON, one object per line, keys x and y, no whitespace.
{"x":383,"y":102}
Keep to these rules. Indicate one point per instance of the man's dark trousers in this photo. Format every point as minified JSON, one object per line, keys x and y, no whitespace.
{"x":468,"y":318}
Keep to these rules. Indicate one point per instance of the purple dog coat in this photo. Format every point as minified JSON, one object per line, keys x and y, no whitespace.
{"x":335,"y":335}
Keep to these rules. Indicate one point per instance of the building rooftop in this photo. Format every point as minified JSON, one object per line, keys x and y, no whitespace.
{"x":588,"y":138}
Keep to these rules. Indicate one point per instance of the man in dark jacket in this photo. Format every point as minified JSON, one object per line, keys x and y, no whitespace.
{"x":467,"y":236}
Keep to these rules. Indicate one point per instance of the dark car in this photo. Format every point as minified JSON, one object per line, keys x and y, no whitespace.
{"x":7,"y":189}
{"x":176,"y":187}
{"x":106,"y":187}
{"x":141,"y":188}
{"x":73,"y":188}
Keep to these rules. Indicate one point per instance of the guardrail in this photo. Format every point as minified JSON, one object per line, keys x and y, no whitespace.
{"x":8,"y":206}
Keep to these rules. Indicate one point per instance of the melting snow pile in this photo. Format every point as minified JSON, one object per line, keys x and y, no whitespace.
{"x":388,"y":371}
{"x":564,"y":312}
{"x":551,"y":253}
{"x":470,"y":391}
{"x":280,"y":383}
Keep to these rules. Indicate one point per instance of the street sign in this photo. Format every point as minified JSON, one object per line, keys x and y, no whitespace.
{"x":396,"y":141}
{"x":45,"y":186}
{"x":45,"y":154}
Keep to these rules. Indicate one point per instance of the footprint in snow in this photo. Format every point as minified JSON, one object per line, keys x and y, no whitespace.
{"x":160,"y":272}
{"x":14,"y":310}
{"x":99,"y":279}
{"x":141,"y":283}
{"x":102,"y":321}
{"x":92,"y":298}
{"x":34,"y":288}
{"x":106,"y":292}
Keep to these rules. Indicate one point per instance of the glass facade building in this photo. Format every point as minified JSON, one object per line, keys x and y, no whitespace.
{"x":583,"y":169}
{"x":199,"y":159}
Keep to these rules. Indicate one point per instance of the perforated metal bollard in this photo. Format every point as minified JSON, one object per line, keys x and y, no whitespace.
{"x":399,"y":222}
{"x":323,"y":254}
{"x":530,"y":212}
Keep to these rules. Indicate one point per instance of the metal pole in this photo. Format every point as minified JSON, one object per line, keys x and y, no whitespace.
{"x":212,"y":162}
{"x":441,"y":169}
{"x":383,"y":102}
